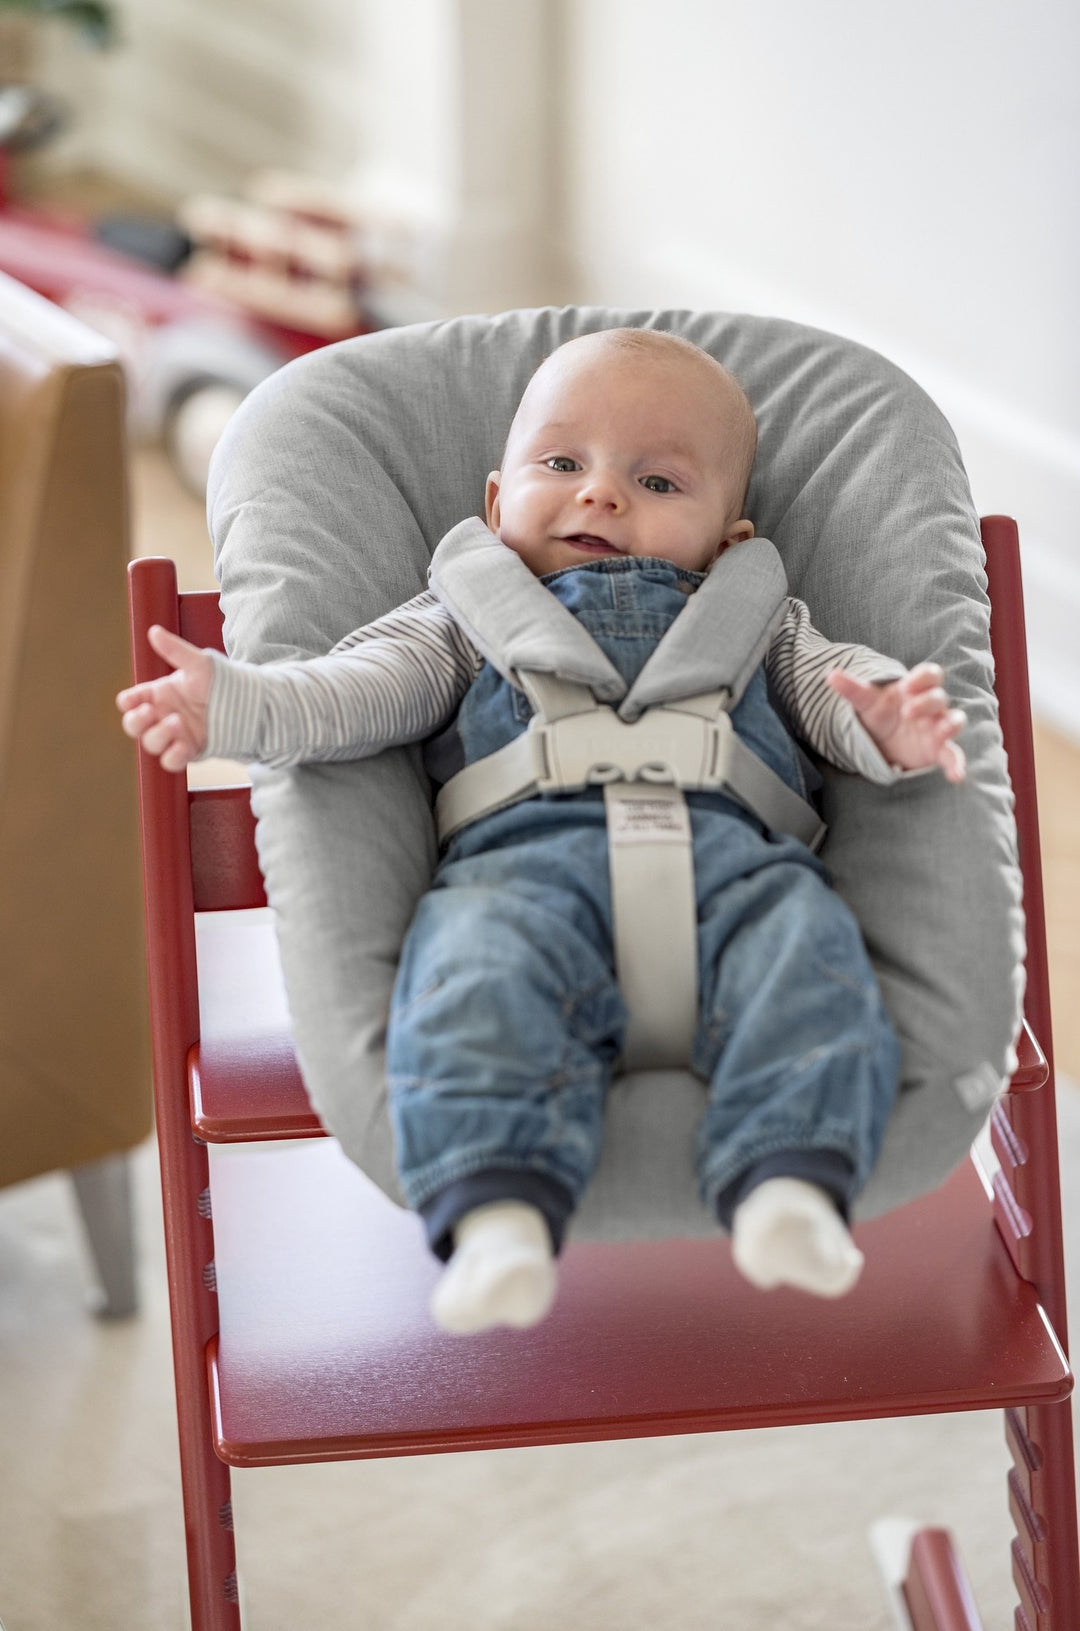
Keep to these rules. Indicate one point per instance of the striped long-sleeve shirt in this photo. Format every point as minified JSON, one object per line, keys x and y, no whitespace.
{"x":401,"y":678}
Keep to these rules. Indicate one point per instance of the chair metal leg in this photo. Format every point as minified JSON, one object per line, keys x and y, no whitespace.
{"x":103,"y":1191}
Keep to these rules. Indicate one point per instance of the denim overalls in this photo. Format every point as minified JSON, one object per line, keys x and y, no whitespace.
{"x":506,"y":1019}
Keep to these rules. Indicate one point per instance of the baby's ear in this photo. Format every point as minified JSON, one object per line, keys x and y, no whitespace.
{"x":739,"y":533}
{"x":491,"y":500}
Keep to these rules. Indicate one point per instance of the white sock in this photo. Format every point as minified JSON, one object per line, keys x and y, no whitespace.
{"x":502,"y":1271}
{"x":789,"y":1233}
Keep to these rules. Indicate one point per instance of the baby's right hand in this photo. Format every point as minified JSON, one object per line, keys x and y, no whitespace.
{"x":168,"y":716}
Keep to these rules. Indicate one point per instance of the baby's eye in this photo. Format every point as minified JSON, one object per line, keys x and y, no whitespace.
{"x":658,"y":484}
{"x":562,"y":464}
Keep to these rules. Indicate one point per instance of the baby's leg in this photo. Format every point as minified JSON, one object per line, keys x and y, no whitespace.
{"x":505,"y":1023}
{"x":803,"y":1068}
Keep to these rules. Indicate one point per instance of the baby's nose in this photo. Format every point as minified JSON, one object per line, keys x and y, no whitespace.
{"x":601,"y":489}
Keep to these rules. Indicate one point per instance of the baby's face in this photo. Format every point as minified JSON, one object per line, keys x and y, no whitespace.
{"x":620,"y":453}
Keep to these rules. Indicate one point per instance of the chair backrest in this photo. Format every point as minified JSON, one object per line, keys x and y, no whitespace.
{"x":200,"y":856}
{"x":1027,"y":1188}
{"x":74,"y":1051}
{"x":224,"y":867}
{"x":214,"y":823}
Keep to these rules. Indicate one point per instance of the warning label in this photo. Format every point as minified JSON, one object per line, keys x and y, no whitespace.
{"x":652,"y":819}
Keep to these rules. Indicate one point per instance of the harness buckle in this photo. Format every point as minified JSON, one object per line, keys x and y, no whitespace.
{"x":596,"y":747}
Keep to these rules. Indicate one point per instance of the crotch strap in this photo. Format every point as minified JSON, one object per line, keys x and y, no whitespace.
{"x":653,"y":921}
{"x":572,"y":742}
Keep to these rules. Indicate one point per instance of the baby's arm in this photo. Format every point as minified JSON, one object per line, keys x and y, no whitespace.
{"x":814,"y":679}
{"x":396,"y":680}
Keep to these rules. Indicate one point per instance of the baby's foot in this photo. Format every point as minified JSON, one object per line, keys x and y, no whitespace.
{"x":789,"y":1233}
{"x":502,"y":1271}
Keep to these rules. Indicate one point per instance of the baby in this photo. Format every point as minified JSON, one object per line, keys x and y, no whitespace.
{"x":623,"y":480}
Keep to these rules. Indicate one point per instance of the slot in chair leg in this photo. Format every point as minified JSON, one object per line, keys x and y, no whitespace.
{"x":1042,"y":1500}
{"x":103,"y":1191}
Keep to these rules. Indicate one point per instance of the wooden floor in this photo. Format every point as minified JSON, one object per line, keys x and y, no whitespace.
{"x":1058,"y":775}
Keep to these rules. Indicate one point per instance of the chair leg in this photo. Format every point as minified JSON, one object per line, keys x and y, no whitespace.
{"x":935,"y":1589}
{"x":103,"y":1191}
{"x":205,"y":1480}
{"x":1042,"y":1500}
{"x":211,"y":1547}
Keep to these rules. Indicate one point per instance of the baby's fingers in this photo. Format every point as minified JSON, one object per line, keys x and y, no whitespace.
{"x":924,"y":677}
{"x":929,"y":704}
{"x":172,"y":647}
{"x":177,"y":757}
{"x":138,"y":719}
{"x":167,"y":739}
{"x":134,"y":696}
{"x":853,"y":690}
{"x":950,"y":755}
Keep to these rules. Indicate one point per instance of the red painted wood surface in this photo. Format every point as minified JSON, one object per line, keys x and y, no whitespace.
{"x":327,"y":1350}
{"x":224,"y":866}
{"x":936,"y":1589}
{"x":249,"y":1087}
{"x":201,"y":618}
{"x":1032,"y":1070}
{"x":189,"y":1238}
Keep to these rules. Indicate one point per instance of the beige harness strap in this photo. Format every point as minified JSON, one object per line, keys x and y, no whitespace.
{"x":651,"y":864}
{"x":654,"y":921}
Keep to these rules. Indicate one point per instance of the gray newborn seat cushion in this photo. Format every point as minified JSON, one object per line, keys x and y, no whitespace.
{"x":328,"y":494}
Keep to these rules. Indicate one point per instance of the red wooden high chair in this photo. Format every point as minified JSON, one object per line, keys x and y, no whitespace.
{"x":299,"y":1293}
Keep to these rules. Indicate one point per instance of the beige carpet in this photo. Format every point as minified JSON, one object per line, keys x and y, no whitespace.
{"x":752,"y":1531}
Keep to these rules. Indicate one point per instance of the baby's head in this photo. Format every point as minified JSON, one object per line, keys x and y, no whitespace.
{"x":626,"y":442}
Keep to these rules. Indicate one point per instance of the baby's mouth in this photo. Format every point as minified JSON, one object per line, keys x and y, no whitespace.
{"x":589,"y":541}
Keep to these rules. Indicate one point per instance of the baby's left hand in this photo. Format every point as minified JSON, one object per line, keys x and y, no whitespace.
{"x":909,"y":719}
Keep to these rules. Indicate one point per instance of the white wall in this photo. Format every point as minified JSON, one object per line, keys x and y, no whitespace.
{"x":904,"y":174}
{"x":456,"y":143}
{"x":198,"y":93}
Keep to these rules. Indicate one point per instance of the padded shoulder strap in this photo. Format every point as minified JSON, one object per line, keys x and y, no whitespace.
{"x":511,"y":618}
{"x":721,"y":635}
